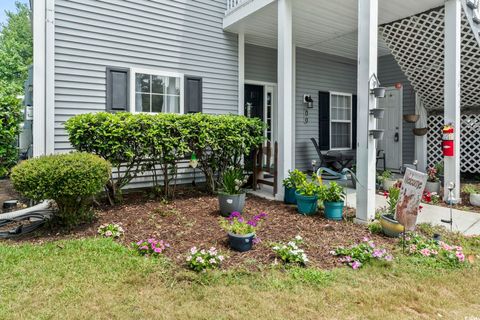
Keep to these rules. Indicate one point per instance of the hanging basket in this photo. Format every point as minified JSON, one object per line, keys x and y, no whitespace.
{"x":411,"y":118}
{"x":420,"y":131}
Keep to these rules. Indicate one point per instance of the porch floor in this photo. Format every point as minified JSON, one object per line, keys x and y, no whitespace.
{"x":465,"y":222}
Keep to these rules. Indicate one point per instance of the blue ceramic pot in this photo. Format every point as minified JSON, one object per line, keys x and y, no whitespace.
{"x":307,"y":205}
{"x":290,"y":197}
{"x":241,"y":243}
{"x":333,"y":210}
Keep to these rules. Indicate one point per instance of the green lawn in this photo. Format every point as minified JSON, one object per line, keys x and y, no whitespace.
{"x":100,"y":279}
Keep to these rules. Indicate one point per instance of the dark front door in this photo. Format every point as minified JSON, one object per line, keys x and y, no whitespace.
{"x":254,"y":101}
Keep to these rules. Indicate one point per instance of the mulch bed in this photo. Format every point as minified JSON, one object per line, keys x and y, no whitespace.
{"x":192,"y":220}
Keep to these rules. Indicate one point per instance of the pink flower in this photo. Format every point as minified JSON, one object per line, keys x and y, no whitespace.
{"x":425,"y":252}
{"x":355,"y":265}
{"x":366,"y":239}
{"x":151,"y":240}
{"x":460,"y":256}
{"x":144,"y":248}
{"x":389,"y":258}
{"x":139,"y":242}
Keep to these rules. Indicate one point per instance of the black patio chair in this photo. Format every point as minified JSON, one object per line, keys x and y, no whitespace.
{"x":325,"y":160}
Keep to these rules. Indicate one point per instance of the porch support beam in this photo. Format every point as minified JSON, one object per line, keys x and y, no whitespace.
{"x":285,"y":91}
{"x":452,"y":89}
{"x":367,"y":67}
{"x":241,"y":73}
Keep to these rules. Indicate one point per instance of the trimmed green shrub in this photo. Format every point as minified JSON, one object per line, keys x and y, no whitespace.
{"x":136,"y":143}
{"x":10,"y":118}
{"x":71,"y":180}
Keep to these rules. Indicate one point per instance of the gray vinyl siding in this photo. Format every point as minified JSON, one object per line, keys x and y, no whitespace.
{"x":180,"y":36}
{"x":260,"y":63}
{"x":316,"y":72}
{"x":389,"y":74}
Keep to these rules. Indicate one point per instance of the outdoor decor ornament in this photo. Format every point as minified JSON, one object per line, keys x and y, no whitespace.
{"x":450,"y":201}
{"x":194,"y":164}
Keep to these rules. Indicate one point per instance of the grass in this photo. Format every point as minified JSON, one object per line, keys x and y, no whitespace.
{"x":100,"y":279}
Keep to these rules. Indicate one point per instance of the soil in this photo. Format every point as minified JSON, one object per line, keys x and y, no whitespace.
{"x":192,"y":220}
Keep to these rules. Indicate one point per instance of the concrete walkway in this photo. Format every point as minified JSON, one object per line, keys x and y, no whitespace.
{"x":465,"y":222}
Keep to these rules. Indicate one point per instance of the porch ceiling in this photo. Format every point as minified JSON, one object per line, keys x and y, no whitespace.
{"x":326,"y":26}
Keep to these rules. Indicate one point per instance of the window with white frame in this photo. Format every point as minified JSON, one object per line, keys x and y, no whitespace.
{"x":157,"y":92}
{"x":340,"y":121}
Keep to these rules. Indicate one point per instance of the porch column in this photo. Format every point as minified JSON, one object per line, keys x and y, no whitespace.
{"x":241,"y":73}
{"x":285,"y":92}
{"x":367,"y":66}
{"x":452,"y":89}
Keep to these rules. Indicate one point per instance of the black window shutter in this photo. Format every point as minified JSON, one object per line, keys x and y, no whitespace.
{"x":324,"y":120}
{"x":354,"y":122}
{"x":118,"y":86}
{"x":193,"y":94}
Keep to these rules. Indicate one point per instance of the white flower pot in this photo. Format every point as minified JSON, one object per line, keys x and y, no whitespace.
{"x":475,"y":199}
{"x":388,"y":183}
{"x":433,"y":187}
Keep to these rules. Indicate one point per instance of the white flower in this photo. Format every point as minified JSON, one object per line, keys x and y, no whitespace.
{"x":221,"y":258}
{"x":298,"y":238}
{"x":213,"y":261}
{"x":108,"y":233}
{"x":333,"y":253}
{"x":203,"y":251}
{"x":200,"y":260}
{"x":189,"y":258}
{"x":275,"y":248}
{"x":193,"y":250}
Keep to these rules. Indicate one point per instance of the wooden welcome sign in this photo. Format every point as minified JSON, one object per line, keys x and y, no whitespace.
{"x":410,"y":197}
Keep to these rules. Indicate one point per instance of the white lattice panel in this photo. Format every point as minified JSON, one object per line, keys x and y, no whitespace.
{"x":469,"y":145}
{"x":417,"y":43}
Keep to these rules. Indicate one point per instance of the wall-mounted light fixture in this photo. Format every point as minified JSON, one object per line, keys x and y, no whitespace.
{"x":307,"y":99}
{"x":375,"y":88}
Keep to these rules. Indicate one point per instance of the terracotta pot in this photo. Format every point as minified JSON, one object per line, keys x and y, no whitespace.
{"x":411,"y":118}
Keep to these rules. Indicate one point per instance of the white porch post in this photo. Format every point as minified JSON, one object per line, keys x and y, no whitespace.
{"x":39,"y":36}
{"x":241,"y":73}
{"x":452,"y":89}
{"x":285,"y":91}
{"x":367,"y":66}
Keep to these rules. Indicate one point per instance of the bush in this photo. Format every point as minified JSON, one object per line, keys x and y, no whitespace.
{"x":136,"y":143}
{"x":10,"y":118}
{"x":69,"y":179}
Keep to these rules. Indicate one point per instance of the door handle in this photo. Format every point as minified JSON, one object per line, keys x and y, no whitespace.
{"x":397,"y":137}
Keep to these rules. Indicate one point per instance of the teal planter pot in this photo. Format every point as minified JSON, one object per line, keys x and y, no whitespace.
{"x":290,"y":197}
{"x":307,"y":205}
{"x":333,"y":210}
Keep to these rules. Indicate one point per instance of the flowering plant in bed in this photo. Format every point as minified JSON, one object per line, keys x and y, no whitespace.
{"x":291,"y":252}
{"x":111,"y":230}
{"x":359,"y":254}
{"x":241,"y":232}
{"x":151,"y":247}
{"x":231,"y":196}
{"x":294,"y":179}
{"x":307,"y":195}
{"x":437,"y":251}
{"x":202,"y":260}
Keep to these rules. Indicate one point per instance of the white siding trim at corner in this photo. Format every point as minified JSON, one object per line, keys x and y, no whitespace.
{"x":180,"y":36}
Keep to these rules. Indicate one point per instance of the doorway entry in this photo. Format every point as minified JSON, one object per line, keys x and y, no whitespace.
{"x":260,"y":102}
{"x":392,"y":141}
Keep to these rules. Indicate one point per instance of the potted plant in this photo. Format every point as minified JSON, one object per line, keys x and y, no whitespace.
{"x":390,"y":226}
{"x":386,"y":179}
{"x":307,"y":195}
{"x":474,"y":192}
{"x":231,"y":197}
{"x":333,"y":197}
{"x":433,"y":182}
{"x":295,"y":178}
{"x":241,"y":233}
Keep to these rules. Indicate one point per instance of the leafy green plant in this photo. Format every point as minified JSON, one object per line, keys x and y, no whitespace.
{"x":203,"y":260}
{"x":294,"y":179}
{"x":375,"y":227}
{"x":237,"y":224}
{"x":430,"y":249}
{"x":232,"y":181}
{"x":111,"y":230}
{"x":392,"y":199}
{"x":310,"y":188}
{"x":69,"y":179}
{"x":291,"y":252}
{"x":332,"y":193}
{"x":359,"y":254}
{"x":385,"y":175}
{"x":471,"y":189}
{"x":10,"y":118}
